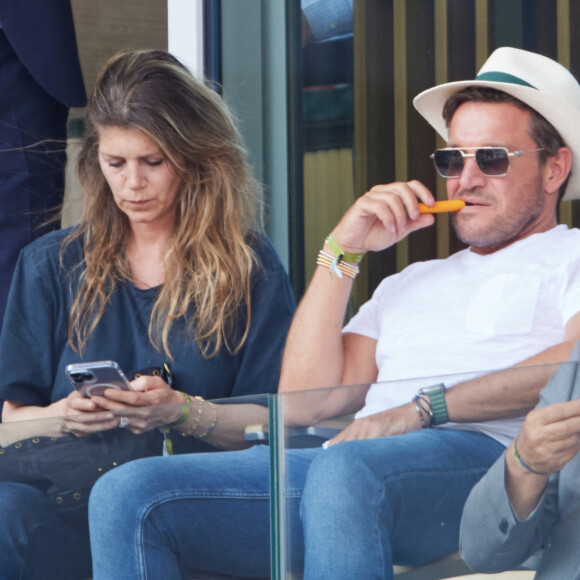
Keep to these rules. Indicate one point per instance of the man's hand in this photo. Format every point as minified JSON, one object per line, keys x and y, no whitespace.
{"x":383,"y":216}
{"x":550,"y":436}
{"x":396,"y":421}
{"x":548,"y":440}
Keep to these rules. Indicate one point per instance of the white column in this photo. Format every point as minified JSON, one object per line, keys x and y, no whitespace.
{"x":185,"y":33}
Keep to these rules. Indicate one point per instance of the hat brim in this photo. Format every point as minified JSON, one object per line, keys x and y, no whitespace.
{"x":563,"y":117}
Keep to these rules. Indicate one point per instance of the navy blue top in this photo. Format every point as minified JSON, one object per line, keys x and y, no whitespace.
{"x":34,"y":350}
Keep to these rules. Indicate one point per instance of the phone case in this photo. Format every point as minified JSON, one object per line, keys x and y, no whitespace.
{"x":92,"y":378}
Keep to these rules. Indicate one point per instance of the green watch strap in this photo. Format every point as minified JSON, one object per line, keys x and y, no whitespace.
{"x":438,"y":406}
{"x":340,"y":253}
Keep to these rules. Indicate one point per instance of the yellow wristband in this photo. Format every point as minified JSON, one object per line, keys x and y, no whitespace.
{"x":184,"y":412}
{"x":340,"y":253}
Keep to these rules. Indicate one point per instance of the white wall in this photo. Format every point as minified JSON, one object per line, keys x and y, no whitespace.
{"x":185,"y":32}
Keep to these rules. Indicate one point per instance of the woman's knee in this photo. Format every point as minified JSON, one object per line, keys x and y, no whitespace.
{"x":25,"y":508}
{"x":18,"y":500}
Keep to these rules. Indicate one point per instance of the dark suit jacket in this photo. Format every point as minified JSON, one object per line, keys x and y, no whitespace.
{"x":494,"y":539}
{"x":42,"y":34}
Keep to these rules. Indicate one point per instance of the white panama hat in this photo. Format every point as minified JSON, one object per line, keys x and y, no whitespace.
{"x":540,"y":82}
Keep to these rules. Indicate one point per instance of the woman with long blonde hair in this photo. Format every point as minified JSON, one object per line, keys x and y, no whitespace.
{"x":167,"y":269}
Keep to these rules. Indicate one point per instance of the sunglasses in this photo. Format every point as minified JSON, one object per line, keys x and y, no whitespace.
{"x":492,"y":161}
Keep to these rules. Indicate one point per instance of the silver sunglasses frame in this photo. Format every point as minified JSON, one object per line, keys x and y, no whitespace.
{"x":474,"y":156}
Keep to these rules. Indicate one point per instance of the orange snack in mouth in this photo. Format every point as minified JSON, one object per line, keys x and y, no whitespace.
{"x":442,"y":206}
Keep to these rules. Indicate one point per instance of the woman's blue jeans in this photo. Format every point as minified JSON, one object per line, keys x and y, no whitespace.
{"x":35,"y":543}
{"x":364,"y":506}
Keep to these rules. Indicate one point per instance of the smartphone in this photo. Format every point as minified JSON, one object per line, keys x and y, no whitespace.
{"x":92,"y":378}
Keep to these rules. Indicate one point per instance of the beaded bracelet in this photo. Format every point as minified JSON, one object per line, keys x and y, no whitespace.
{"x":197,"y":417}
{"x":213,"y":423}
{"x":337,"y":266}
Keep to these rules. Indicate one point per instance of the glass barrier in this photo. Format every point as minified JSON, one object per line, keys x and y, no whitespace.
{"x":303,"y":425}
{"x":64,"y":456}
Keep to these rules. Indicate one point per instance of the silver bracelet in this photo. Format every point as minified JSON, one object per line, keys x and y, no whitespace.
{"x":419,"y":412}
{"x":425,"y":406}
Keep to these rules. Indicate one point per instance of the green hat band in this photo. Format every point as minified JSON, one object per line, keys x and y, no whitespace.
{"x":499,"y":77}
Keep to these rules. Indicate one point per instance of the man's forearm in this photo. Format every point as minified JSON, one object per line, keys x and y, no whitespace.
{"x":313,"y":355}
{"x":508,"y":393}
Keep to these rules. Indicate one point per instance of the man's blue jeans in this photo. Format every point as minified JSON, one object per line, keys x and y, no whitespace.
{"x":365,"y":505}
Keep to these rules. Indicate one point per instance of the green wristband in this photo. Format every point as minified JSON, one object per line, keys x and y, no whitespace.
{"x":340,"y":253}
{"x":184,"y":412}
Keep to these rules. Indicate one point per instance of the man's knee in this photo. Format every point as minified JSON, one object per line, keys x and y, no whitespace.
{"x":338,"y":473}
{"x":113,"y":491}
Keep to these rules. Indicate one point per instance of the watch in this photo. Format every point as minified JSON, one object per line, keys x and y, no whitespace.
{"x":436,"y":396}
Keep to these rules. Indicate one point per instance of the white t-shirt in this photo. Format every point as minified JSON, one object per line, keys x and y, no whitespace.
{"x":470,"y":313}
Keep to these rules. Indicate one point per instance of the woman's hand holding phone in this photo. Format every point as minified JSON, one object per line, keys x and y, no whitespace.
{"x":84,"y":416}
{"x":146,"y":392}
{"x":102,"y":386}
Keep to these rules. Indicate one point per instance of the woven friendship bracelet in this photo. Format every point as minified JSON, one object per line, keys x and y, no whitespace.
{"x":326,"y":257}
{"x":335,"y":266}
{"x":521,"y":463}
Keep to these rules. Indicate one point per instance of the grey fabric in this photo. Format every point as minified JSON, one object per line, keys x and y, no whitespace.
{"x":494,"y":539}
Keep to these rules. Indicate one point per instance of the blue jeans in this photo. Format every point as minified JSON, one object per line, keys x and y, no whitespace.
{"x":183,"y":515}
{"x":396,"y":500}
{"x":364,"y":505}
{"x":35,"y":544}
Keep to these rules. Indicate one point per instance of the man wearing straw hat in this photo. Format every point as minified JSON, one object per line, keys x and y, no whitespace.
{"x":513,"y":151}
{"x":389,"y":488}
